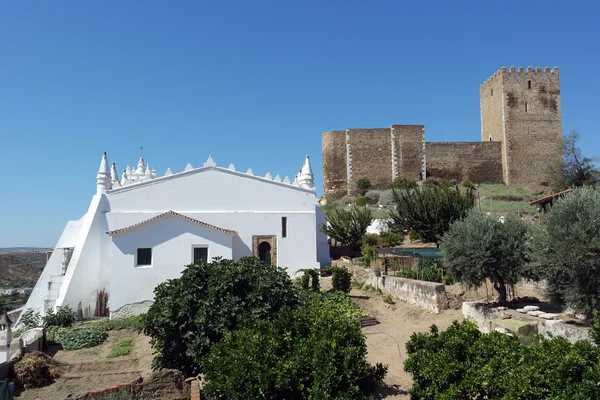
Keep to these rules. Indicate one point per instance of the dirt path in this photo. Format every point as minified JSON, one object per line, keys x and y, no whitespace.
{"x":90,"y":369}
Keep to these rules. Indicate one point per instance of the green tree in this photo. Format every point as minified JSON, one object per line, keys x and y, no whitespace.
{"x":363,"y":185}
{"x":404,"y":183}
{"x":573,"y":169}
{"x":429,"y":211}
{"x":565,"y":251}
{"x":481,"y":247}
{"x":312,"y":352}
{"x":193,"y":312}
{"x":347,"y":226}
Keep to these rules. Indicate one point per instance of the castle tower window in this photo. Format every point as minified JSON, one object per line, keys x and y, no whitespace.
{"x":529,"y":84}
{"x":491,"y":92}
{"x":526,"y":108}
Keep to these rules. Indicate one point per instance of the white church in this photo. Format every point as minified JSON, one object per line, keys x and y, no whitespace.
{"x":141,"y":230}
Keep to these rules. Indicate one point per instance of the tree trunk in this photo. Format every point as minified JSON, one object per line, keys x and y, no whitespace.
{"x":501,"y":289}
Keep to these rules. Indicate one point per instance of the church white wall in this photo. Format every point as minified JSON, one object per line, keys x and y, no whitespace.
{"x":211,"y":189}
{"x":172,"y":240}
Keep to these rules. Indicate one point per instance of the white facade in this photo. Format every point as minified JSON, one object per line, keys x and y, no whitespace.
{"x":141,"y":230}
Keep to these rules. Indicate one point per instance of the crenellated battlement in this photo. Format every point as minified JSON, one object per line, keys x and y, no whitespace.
{"x":513,"y":71}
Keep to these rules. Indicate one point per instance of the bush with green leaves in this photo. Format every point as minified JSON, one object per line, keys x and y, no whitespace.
{"x":431,"y":270}
{"x":390,"y":239}
{"x":195,"y":311}
{"x":128,"y":323}
{"x":463,"y":363}
{"x":404,"y":183}
{"x":565,"y":251}
{"x":31,"y":319}
{"x":364,"y":201}
{"x":347,"y":226}
{"x":311,"y":352}
{"x":373,"y":195}
{"x":363,"y":185}
{"x":310,"y":278}
{"x":482,"y":247}
{"x":341,"y":280}
{"x":368,"y":254}
{"x":429,"y":211}
{"x":75,"y":339}
{"x":64,"y":317}
{"x":122,"y":348}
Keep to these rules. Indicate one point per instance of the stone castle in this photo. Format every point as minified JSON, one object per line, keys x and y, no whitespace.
{"x":521,"y":135}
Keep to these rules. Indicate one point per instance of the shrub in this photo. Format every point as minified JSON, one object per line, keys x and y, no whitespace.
{"x":118,"y":324}
{"x":429,"y":211}
{"x":31,"y":319}
{"x":348,"y":226}
{"x":388,"y":299}
{"x":412,"y":236}
{"x":564,"y":251}
{"x":468,"y":184}
{"x":122,"y":348}
{"x":75,"y":339}
{"x":481,"y":247}
{"x":311,"y":276}
{"x":363,"y":185}
{"x":312,"y":352}
{"x":195,"y":311}
{"x":462,"y":363}
{"x":364,"y":201}
{"x":64,"y":317}
{"x":373,"y":195}
{"x":404,"y":183}
{"x":368,"y":254}
{"x":386,"y":197}
{"x":36,"y":369}
{"x":389,"y":239}
{"x":341,"y":280}
{"x":357,"y":284}
{"x":370,"y":238}
{"x":431,"y":270}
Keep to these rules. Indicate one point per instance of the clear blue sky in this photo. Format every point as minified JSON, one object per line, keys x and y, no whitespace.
{"x":254,"y":83}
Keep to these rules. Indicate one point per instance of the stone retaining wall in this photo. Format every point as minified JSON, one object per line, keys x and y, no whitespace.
{"x":428,"y":295}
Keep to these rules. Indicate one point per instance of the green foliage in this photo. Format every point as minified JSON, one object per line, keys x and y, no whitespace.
{"x":347,"y":226}
{"x":573,"y":169}
{"x":412,"y":236}
{"x":462,"y":363}
{"x":311,"y":352}
{"x":363,"y":185}
{"x":75,"y":339}
{"x":565,"y":251}
{"x":363,"y":201}
{"x":311,"y":276}
{"x":341,"y":303}
{"x":36,"y":369}
{"x":390,"y":239}
{"x":31,"y":319}
{"x":373,"y":195}
{"x":195,"y":311}
{"x":368,"y":254}
{"x":595,"y":334}
{"x":388,"y":299}
{"x":369,"y":288}
{"x":429,"y":211}
{"x":122,"y":348}
{"x":371,"y":239}
{"x":356,"y":284}
{"x":404,"y":183}
{"x":431,"y":270}
{"x":481,"y":247}
{"x":63,"y":317}
{"x":341,"y":280}
{"x":468,"y":184}
{"x":128,"y":323}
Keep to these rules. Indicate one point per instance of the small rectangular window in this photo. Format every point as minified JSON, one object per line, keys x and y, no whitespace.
{"x":529,"y":84}
{"x":492,"y":92}
{"x":144,"y":256}
{"x":200,"y":254}
{"x":526,"y":108}
{"x":283,"y":227}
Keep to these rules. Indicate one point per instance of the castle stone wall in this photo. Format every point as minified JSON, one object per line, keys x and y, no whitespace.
{"x":408,"y":144}
{"x":334,"y":164}
{"x":370,"y":155}
{"x":478,"y":162}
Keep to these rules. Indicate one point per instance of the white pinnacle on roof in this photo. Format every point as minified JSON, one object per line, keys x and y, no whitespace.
{"x":103,"y":177}
{"x":141,"y":168}
{"x":125,"y":177}
{"x":114,"y":178}
{"x":169,"y":172}
{"x":210,"y":162}
{"x":306,"y":178}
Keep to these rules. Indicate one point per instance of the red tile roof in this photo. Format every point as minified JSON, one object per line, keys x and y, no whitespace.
{"x":170,"y":214}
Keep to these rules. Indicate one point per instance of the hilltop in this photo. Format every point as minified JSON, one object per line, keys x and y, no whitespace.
{"x":21,"y":267}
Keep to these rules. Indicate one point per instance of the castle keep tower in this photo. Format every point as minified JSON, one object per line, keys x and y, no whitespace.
{"x":521,"y":109}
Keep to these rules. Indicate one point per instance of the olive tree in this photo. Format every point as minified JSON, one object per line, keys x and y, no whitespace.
{"x":565,"y":251}
{"x":481,"y":247}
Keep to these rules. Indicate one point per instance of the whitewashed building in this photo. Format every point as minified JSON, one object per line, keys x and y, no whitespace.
{"x":141,"y":230}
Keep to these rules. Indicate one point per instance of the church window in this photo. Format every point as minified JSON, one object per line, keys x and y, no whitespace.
{"x":283,"y":227}
{"x":200,"y":254}
{"x":144,"y":256}
{"x":529,"y":84}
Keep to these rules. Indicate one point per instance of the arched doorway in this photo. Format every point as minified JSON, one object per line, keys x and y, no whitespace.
{"x":264,"y":252}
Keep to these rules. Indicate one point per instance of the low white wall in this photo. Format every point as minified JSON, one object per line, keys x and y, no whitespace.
{"x":428,"y":295}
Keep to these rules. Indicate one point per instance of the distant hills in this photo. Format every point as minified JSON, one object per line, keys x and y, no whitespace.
{"x":21,"y":266}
